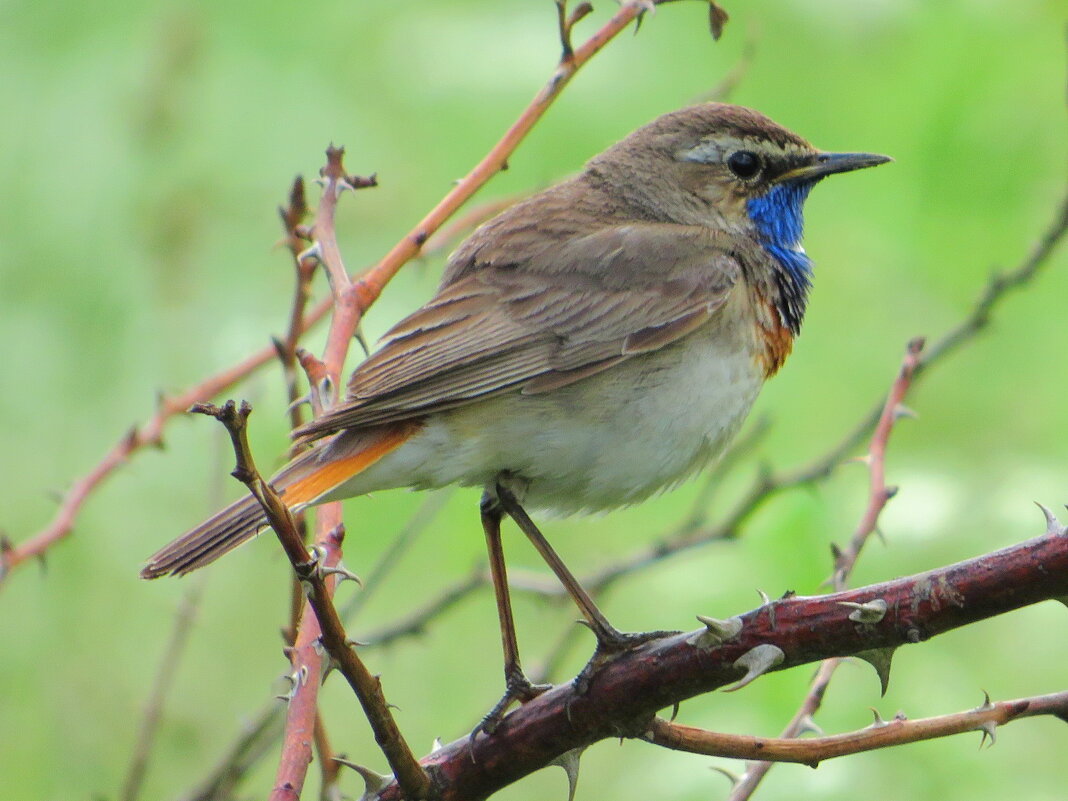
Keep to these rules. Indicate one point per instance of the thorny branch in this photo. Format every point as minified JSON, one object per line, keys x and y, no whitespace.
{"x":319,"y":622}
{"x":264,"y":726}
{"x":315,"y":575}
{"x":627,"y":692}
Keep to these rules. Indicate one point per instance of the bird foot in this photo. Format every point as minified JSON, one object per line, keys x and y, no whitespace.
{"x":611,"y":643}
{"x":517,"y":688}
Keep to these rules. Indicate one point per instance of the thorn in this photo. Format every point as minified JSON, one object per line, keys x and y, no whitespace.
{"x":374,"y":783}
{"x":807,"y":725}
{"x":569,"y":761}
{"x":986,"y":705}
{"x":756,"y":662}
{"x":765,"y":603}
{"x":296,"y":679}
{"x":869,"y":612}
{"x":361,"y":339}
{"x":716,"y":632}
{"x":313,"y":251}
{"x":989,"y":729}
{"x":1053,"y":525}
{"x":880,"y":659}
{"x":340,"y":570}
{"x":436,"y":745}
{"x":901,"y":410}
{"x":878,"y":723}
{"x":674,"y":712}
{"x":324,"y":391}
{"x":732,"y":777}
{"x":298,"y":403}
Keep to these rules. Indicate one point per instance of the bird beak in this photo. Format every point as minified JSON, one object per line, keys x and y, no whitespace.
{"x":824,"y":164}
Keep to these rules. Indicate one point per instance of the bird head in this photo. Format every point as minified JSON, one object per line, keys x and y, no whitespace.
{"x":726,"y":167}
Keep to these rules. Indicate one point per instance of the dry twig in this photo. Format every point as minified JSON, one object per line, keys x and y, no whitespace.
{"x":881,"y":734}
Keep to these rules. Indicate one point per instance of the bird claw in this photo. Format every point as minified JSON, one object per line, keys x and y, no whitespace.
{"x":517,"y":688}
{"x":612,"y":643}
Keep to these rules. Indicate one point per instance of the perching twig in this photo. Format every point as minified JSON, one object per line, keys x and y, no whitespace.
{"x":628,"y":691}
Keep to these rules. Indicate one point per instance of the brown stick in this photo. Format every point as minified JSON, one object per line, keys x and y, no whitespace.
{"x":881,"y":734}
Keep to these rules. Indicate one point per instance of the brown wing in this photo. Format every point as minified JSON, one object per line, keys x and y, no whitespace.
{"x":558,"y":317}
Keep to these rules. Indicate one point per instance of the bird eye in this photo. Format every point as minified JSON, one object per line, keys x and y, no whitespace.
{"x":744,"y":164}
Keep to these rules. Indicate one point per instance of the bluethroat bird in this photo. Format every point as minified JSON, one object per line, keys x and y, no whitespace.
{"x":588,"y":347}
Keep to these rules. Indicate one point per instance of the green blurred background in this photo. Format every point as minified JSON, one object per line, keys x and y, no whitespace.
{"x":144,"y":151}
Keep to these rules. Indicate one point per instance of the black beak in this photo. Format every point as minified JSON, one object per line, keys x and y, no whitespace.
{"x":824,"y":164}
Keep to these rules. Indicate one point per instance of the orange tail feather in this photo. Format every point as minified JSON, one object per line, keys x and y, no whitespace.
{"x":300,"y":483}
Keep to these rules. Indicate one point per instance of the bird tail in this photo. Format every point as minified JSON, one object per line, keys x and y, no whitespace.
{"x":302,"y":482}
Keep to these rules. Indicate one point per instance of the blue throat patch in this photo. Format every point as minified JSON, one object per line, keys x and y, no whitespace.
{"x":777,"y":215}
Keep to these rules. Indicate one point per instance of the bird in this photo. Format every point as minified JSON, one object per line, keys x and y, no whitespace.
{"x":593,"y":344}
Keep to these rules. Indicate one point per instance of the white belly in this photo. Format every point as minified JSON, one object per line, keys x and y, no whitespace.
{"x":608,"y":440}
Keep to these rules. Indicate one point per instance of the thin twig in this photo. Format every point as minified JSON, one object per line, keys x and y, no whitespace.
{"x":881,"y":734}
{"x":370,"y":286}
{"x":845,"y":559}
{"x":146,"y":735}
{"x":320,"y":621}
{"x":416,"y":622}
{"x":329,"y":768}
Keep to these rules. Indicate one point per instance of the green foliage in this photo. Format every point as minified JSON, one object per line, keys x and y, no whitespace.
{"x":144,"y":151}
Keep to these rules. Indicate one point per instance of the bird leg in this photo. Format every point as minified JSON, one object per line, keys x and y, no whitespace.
{"x":517,"y":686}
{"x":610,"y":641}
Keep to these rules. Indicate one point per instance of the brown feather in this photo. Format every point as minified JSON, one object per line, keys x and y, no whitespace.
{"x":542,"y":322}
